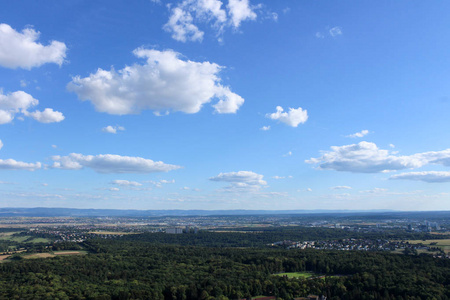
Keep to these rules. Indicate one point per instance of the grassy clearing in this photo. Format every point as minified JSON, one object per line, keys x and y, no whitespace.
{"x":12,"y":238}
{"x":24,"y":238}
{"x":70,"y":252}
{"x":2,"y":234}
{"x":302,"y":275}
{"x":111,"y":232}
{"x":443,"y":244}
{"x":38,"y":255}
{"x":40,"y":240}
{"x":53,"y":254}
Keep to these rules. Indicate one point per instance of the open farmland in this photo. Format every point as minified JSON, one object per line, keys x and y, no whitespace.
{"x":444,"y":244}
{"x":302,"y":275}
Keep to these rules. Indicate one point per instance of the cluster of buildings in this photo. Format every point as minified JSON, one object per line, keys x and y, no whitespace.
{"x":180,"y":230}
{"x":356,"y":244}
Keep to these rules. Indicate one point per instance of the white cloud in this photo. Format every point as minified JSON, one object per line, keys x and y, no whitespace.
{"x":341,"y":187}
{"x":375,"y":191}
{"x":239,"y":11}
{"x":335,"y":31}
{"x":241,"y":180}
{"x":265,"y":128}
{"x":11,"y":164}
{"x":159,"y":184}
{"x":19,"y":102}
{"x":319,"y":35}
{"x":114,"y":189}
{"x":110,"y":163}
{"x":1,"y":144}
{"x":188,"y":14}
{"x":46,"y":116}
{"x":359,"y":134}
{"x":291,"y":118}
{"x":281,"y":177}
{"x":20,"y":50}
{"x":165,"y":82}
{"x":54,"y":146}
{"x":125,"y":182}
{"x":366,"y":157}
{"x":392,"y":145}
{"x":167,"y":181}
{"x":23,"y":83}
{"x":427,"y":176}
{"x":181,"y":25}
{"x":287,"y":154}
{"x":13,"y":103}
{"x":113,"y":129}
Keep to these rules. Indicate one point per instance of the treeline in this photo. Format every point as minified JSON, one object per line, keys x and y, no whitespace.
{"x":118,"y":269}
{"x":262,"y":237}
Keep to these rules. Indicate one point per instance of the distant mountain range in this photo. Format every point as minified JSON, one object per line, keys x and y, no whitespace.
{"x":75,"y":212}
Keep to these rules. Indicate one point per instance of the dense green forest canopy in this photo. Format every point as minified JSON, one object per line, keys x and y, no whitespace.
{"x":140,"y":269}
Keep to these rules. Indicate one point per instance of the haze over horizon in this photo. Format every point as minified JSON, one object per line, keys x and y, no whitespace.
{"x":223,"y":105}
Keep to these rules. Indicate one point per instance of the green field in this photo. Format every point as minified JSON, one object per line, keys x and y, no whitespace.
{"x":25,"y":238}
{"x":443,"y":244}
{"x":302,"y":275}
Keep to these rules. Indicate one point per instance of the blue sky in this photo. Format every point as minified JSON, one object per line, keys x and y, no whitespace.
{"x":233,"y":104}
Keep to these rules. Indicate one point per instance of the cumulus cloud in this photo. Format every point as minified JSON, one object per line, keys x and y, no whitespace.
{"x":292,"y":118}
{"x":366,"y":157}
{"x":241,"y":180}
{"x":181,"y":26}
{"x":335,"y":31}
{"x":20,"y":49}
{"x":359,"y":134}
{"x":188,"y":14}
{"x":164,"y":83}
{"x":122,"y":182}
{"x":11,"y":164}
{"x":110,"y":163}
{"x":239,"y":11}
{"x":341,"y":187}
{"x":427,"y":176}
{"x":46,"y":116}
{"x":265,"y":128}
{"x":113,"y":129}
{"x":19,"y":102}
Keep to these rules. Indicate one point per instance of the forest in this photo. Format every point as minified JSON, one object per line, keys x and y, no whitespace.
{"x":189,"y":266}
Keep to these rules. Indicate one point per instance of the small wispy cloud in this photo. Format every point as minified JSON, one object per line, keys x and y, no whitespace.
{"x":113,"y":129}
{"x":360,"y":134}
{"x":287,"y":154}
{"x":341,"y":187}
{"x":330,"y":32}
{"x":335,"y":31}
